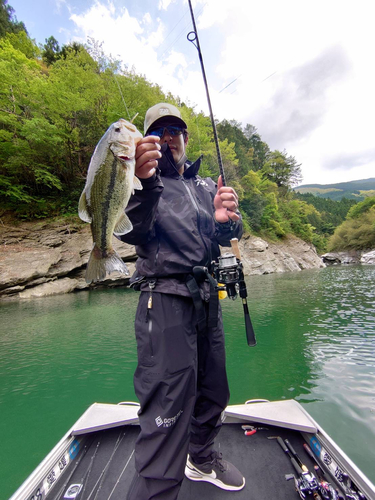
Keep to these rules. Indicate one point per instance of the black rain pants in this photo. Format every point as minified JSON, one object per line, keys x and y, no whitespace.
{"x":182,"y":386}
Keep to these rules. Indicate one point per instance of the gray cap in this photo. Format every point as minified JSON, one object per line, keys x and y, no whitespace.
{"x":163,"y":112}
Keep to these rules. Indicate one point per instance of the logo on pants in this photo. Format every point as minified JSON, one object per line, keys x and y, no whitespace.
{"x":159,"y":421}
{"x":168,"y":422}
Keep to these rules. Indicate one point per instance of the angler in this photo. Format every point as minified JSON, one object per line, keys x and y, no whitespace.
{"x":179,"y":220}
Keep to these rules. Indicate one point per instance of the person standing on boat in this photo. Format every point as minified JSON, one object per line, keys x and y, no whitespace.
{"x":179,"y":220}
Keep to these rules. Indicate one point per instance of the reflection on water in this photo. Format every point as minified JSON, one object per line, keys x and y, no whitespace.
{"x":316,"y":343}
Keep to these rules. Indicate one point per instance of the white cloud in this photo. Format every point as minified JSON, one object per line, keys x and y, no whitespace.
{"x":147,"y":18}
{"x":59,"y":4}
{"x":164,"y":4}
{"x":121,"y":34}
{"x":126,"y":38}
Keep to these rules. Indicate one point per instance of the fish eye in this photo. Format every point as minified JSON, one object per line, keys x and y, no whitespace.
{"x":117,"y":129}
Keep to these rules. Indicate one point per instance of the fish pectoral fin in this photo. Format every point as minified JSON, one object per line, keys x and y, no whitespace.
{"x":123,"y":225}
{"x":83,"y":209}
{"x":137,"y":184}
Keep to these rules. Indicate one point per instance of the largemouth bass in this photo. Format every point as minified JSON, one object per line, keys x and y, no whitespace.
{"x":109,"y":184}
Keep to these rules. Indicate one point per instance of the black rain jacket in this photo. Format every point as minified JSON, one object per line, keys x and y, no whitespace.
{"x":174,"y":228}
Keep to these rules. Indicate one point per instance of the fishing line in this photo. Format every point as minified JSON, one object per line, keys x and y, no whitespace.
{"x":179,"y":35}
{"x":171,"y":31}
{"x":199,"y":136}
{"x":230,"y":83}
{"x":122,"y":97}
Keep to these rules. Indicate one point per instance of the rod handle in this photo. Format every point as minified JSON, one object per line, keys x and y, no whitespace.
{"x":296,"y":466}
{"x":294,"y":453}
{"x":282,"y":444}
{"x":250,"y":334}
{"x":289,"y":445}
{"x":235,"y":248}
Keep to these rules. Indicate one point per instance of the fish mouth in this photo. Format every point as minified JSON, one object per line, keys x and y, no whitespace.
{"x":125,"y":158}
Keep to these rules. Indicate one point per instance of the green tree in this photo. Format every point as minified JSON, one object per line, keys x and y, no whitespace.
{"x":299,"y":215}
{"x":8,"y":21}
{"x":360,"y":208}
{"x":51,"y":51}
{"x":282,"y":169}
{"x":21,"y":165}
{"x":71,"y":47}
{"x":54,"y":110}
{"x":355,"y":233}
{"x":250,"y":150}
{"x":358,"y":230}
{"x":258,"y":150}
{"x":22,"y":42}
{"x":331,"y":212}
{"x":259,"y":204}
{"x":51,"y":120}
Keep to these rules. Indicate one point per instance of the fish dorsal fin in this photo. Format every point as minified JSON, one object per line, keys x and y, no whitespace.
{"x":123,"y":225}
{"x":83,"y":209}
{"x":136,"y":183}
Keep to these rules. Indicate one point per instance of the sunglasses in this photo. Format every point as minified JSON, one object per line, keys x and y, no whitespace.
{"x":171,"y":130}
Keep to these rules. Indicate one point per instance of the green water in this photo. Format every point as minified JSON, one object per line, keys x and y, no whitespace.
{"x":316,"y":343}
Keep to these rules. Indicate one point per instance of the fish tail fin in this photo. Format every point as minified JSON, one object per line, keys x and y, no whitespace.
{"x":100,"y":265}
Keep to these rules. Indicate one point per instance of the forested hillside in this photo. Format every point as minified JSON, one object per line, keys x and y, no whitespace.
{"x":358,"y":230}
{"x":356,"y":190}
{"x":56,"y":102}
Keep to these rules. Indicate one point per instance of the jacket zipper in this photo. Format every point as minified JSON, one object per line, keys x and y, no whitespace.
{"x":151,"y":285}
{"x":208,"y":252}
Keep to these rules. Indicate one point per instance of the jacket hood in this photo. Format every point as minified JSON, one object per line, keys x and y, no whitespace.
{"x":168,"y":167}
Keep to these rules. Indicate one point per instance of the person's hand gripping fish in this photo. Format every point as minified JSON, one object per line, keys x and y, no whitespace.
{"x":146,"y":156}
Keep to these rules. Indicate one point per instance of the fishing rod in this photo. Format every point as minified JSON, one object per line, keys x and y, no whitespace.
{"x":193,"y":38}
{"x":351,"y":491}
{"x":229,"y":270}
{"x":306,"y":483}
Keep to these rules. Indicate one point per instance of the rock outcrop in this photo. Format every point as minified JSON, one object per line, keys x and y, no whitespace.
{"x":368,"y":257}
{"x":39,"y":259}
{"x":349,"y":257}
{"x":291,"y":254}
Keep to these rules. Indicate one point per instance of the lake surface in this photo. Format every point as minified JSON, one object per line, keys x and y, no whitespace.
{"x":316,"y":343}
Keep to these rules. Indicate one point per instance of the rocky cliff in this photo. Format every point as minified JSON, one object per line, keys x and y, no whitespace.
{"x":349,"y":257}
{"x":48,"y":258}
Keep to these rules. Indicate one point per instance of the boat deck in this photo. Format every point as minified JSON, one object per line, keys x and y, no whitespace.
{"x":106,"y":467}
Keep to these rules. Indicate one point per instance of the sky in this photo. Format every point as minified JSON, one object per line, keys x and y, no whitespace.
{"x":301,"y":72}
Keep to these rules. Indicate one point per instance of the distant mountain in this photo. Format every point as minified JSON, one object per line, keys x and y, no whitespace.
{"x":357,"y":190}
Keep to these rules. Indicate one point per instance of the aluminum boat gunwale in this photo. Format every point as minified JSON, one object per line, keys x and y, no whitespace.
{"x":61,"y":468}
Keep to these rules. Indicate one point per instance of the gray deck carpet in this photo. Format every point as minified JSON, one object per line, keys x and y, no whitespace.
{"x":106,"y":467}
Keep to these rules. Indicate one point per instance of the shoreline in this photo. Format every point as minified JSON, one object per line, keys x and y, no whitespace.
{"x":43,"y":258}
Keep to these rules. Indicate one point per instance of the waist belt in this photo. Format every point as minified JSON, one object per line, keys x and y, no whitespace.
{"x":192,"y":281}
{"x":199,"y":275}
